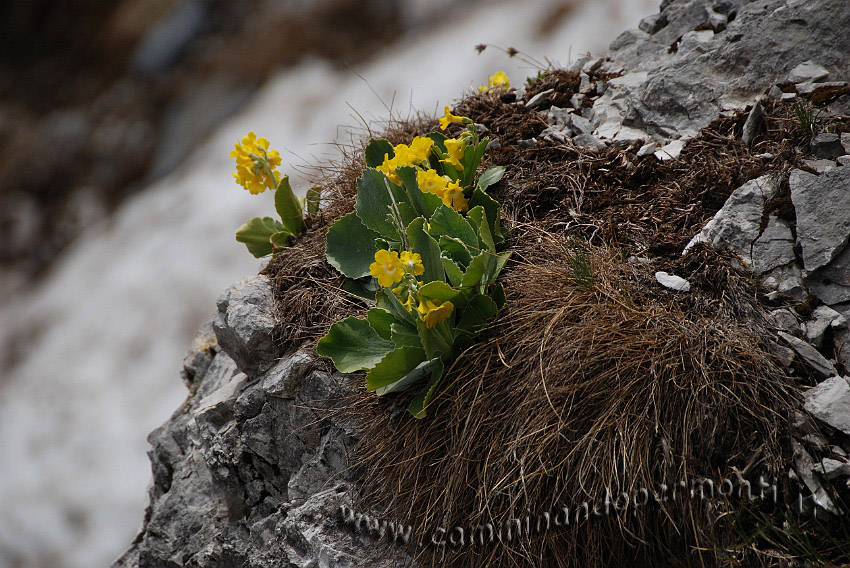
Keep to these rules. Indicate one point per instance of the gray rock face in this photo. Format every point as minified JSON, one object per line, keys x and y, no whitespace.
{"x":244,"y":324}
{"x":738,"y":222}
{"x":248,"y":473}
{"x":685,"y":90}
{"x":822,"y":204}
{"x":829,"y":402}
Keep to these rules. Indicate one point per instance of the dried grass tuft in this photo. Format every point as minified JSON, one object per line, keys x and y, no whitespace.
{"x":580,"y":389}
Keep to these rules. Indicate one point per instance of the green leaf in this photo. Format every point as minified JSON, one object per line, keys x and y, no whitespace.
{"x":386,"y":300}
{"x":457,"y":251}
{"x":438,"y":340}
{"x":446,"y":221}
{"x":417,"y":199}
{"x":472,"y":278}
{"x":476,"y":313}
{"x":404,"y":335}
{"x":498,"y":295}
{"x":453,"y":271}
{"x":421,"y":371}
{"x":439,"y":140}
{"x":492,"y":209}
{"x":288,"y":208}
{"x":419,"y":405}
{"x":280,"y":240}
{"x":353,"y":345}
{"x":351,"y":246}
{"x":494,"y":267}
{"x":478,"y":219}
{"x":394,"y":366}
{"x":374,"y":206}
{"x":438,"y":291}
{"x":381,"y":320}
{"x":471,"y":158}
{"x":256,"y":235}
{"x":314,"y":199}
{"x":376,"y":150}
{"x":489,"y":177}
{"x":428,"y":249}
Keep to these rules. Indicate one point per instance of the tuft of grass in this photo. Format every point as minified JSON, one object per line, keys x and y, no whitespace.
{"x":807,"y":118}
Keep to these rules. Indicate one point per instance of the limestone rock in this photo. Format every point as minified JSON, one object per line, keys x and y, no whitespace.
{"x":683,"y":91}
{"x":737,"y":223}
{"x":829,"y":402}
{"x":807,"y":72}
{"x":822,"y":204}
{"x":672,"y":281}
{"x":810,"y":356}
{"x":252,"y":473}
{"x":826,"y":145}
{"x":774,"y":247}
{"x":754,"y":124}
{"x":245,"y":322}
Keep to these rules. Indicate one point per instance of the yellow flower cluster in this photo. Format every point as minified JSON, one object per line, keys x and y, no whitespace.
{"x":389,"y":269}
{"x":256,"y":166}
{"x":498,"y":80}
{"x":413,"y":155}
{"x":450,"y":192}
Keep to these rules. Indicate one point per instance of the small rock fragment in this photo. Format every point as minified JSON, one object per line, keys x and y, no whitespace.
{"x":671,"y":151}
{"x":672,"y":281}
{"x":822,"y":204}
{"x":813,"y":359}
{"x":835,"y":319}
{"x":784,"y":319}
{"x":588,"y":141}
{"x":826,"y":145}
{"x":820,"y":166}
{"x":845,"y":141}
{"x":807,"y":72}
{"x":754,"y":124}
{"x":577,"y":100}
{"x":647,"y":149}
{"x":815,"y":331}
{"x":833,"y":469}
{"x":829,"y":402}
{"x":774,"y":93}
{"x":843,"y":160}
{"x":652,"y":23}
{"x":527,"y":143}
{"x":539,"y":98}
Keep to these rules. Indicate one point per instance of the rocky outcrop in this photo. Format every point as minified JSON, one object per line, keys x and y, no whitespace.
{"x":250,"y":471}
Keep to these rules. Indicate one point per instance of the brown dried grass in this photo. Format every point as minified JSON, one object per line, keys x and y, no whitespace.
{"x":578,"y":389}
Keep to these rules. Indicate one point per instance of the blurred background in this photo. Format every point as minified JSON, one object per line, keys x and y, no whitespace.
{"x":117,"y":206}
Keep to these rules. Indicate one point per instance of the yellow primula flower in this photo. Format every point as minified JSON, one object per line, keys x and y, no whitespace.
{"x":449,"y":118}
{"x":433,"y":313}
{"x":409,"y":303}
{"x":388,"y":169}
{"x":454,"y":150}
{"x":499,"y":80}
{"x":256,"y":166}
{"x":453,"y":197}
{"x":415,"y":154}
{"x":420,"y":149}
{"x":431,"y":182}
{"x":387,"y":268}
{"x":412,"y":263}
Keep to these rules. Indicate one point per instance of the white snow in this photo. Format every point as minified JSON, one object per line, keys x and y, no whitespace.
{"x":108,"y":327}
